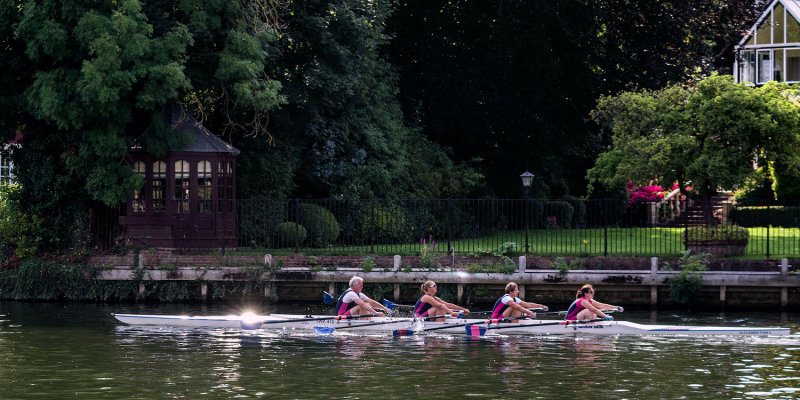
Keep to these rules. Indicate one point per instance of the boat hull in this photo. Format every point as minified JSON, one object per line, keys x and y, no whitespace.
{"x":451,"y":326}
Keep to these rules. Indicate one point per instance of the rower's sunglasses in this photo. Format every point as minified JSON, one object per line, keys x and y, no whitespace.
{"x":434,"y":285}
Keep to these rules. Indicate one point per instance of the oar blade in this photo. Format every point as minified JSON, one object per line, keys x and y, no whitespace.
{"x":403,"y":332}
{"x":324,"y":330}
{"x":327,"y":298}
{"x":475,"y":330}
{"x":388,"y":304}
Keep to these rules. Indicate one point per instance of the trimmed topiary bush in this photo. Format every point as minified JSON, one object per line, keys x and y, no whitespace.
{"x":321,"y":225}
{"x":289,"y":233}
{"x":715,"y":233}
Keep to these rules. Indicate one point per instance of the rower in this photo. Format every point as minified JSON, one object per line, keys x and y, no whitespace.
{"x":510,"y":306}
{"x":429,"y":304}
{"x":585,"y":307}
{"x":353,"y":302}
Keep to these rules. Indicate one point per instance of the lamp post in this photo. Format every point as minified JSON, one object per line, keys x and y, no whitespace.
{"x":527,"y":178}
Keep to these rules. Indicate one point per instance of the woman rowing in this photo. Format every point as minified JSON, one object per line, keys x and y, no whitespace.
{"x":511,"y":306}
{"x":585,"y":307}
{"x":353,"y":302}
{"x":430,"y":305}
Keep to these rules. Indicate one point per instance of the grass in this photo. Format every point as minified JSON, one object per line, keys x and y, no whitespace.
{"x":613,"y":242}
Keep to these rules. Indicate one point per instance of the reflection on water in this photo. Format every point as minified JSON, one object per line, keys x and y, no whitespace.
{"x":55,"y":351}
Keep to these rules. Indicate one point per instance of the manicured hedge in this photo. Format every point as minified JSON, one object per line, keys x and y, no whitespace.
{"x":763,"y":216}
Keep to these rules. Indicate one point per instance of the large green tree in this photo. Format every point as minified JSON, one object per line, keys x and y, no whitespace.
{"x":705,"y":136}
{"x":86,"y":78}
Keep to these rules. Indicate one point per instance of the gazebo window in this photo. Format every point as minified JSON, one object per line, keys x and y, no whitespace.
{"x":204,"y":189}
{"x":159,"y":186}
{"x":138,"y":202}
{"x":225,"y":186}
{"x":182,"y":186}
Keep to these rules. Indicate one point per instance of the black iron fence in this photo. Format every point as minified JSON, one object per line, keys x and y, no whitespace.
{"x":569,"y":227}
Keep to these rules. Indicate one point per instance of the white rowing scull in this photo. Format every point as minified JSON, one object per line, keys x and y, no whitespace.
{"x":453,"y":326}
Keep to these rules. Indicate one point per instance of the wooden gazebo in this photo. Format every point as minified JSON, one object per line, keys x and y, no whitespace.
{"x":189,"y":197}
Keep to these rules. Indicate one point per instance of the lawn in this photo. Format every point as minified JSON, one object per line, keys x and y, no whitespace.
{"x":613,"y":242}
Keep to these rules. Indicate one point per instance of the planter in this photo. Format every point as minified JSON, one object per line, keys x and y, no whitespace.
{"x":718,"y":248}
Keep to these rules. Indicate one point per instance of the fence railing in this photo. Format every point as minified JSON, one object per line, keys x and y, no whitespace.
{"x":568,"y":227}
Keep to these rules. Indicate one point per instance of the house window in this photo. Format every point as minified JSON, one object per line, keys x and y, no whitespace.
{"x":138,"y":195}
{"x":181,"y":186}
{"x":159,"y":186}
{"x":792,"y":65}
{"x":777,"y":69}
{"x":764,"y":32}
{"x":204,"y":189}
{"x":6,"y":171}
{"x":764,"y":66}
{"x":778,"y":19}
{"x":792,"y":30}
{"x":747,"y":66}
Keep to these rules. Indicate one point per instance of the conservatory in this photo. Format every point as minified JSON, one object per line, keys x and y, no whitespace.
{"x":771,"y":49}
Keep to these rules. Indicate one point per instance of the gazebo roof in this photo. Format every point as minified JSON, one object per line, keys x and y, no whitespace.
{"x":196,"y":137}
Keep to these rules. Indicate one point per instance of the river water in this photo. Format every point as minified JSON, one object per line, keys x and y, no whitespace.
{"x":57,"y":351}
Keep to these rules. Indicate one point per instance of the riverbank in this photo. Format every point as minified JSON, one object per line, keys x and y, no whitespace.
{"x":634,"y":281}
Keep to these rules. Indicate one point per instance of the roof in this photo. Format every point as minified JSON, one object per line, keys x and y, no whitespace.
{"x":198,"y":139}
{"x":792,"y":6}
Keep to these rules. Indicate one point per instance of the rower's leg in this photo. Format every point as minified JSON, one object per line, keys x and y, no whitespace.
{"x":586,"y":314}
{"x":512,"y":313}
{"x":438,"y":311}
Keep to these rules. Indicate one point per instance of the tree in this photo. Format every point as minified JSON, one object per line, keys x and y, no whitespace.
{"x":705,"y":137}
{"x":86,"y":78}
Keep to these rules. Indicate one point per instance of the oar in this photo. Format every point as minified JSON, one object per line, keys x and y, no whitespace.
{"x":248,"y":323}
{"x":408,"y":332}
{"x":327,"y":330}
{"x":481,"y":330}
{"x":390,"y":305}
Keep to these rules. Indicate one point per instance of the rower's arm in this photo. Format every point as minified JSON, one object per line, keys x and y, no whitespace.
{"x":521,"y":307}
{"x":452,"y":306}
{"x":528,"y":304}
{"x":590,"y":305}
{"x":377,"y":305}
{"x":604,"y":306}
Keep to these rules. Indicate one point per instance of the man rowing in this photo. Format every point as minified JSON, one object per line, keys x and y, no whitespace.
{"x":353,"y":302}
{"x":511,"y":306}
{"x":429,"y":305}
{"x":585,"y":307}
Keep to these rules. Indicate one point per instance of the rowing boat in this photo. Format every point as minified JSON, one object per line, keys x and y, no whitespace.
{"x":382,"y":325}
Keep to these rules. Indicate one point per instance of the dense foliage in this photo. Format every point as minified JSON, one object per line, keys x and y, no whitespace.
{"x":704,"y":137}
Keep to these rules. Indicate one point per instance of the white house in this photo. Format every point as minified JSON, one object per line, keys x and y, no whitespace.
{"x":771,"y":49}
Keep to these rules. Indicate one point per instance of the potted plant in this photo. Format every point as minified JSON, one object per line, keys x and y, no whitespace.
{"x":719,"y":241}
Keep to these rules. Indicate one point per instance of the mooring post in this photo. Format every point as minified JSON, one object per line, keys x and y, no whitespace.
{"x":722,"y":292}
{"x":203,"y":290}
{"x":267,"y":259}
{"x":521,"y":291}
{"x":397,"y":262}
{"x":460,"y":292}
{"x":523,"y":264}
{"x":397,"y":290}
{"x":141,"y":289}
{"x":653,"y":282}
{"x":331,"y":288}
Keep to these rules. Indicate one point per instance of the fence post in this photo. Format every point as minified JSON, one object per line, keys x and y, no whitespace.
{"x":769,"y":218}
{"x":605,"y":229}
{"x":449,"y":227}
{"x":372,"y":226}
{"x":296,"y":225}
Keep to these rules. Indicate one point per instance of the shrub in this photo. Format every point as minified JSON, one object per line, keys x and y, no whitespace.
{"x":561,"y":210}
{"x":684,"y":286}
{"x":259,"y":219}
{"x":765,"y":216}
{"x":712,"y":233}
{"x":19,"y":232}
{"x":384,"y":224}
{"x":321,"y":225}
{"x":289,"y":233}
